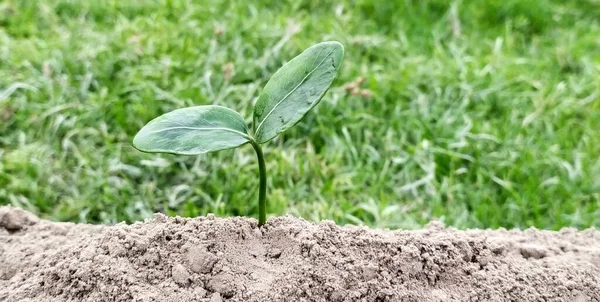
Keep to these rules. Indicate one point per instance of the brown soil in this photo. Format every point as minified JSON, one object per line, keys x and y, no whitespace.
{"x":289,"y":259}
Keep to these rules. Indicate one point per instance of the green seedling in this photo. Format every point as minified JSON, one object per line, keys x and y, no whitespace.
{"x":291,"y":92}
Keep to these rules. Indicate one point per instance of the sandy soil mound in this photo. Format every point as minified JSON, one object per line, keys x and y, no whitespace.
{"x":213,"y":259}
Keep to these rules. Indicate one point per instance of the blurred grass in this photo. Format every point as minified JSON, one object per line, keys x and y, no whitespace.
{"x":477,"y":114}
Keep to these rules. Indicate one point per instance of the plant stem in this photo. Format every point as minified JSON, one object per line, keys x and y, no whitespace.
{"x":262,"y":191}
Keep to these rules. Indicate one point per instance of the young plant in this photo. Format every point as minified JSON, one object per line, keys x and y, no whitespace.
{"x":291,"y":92}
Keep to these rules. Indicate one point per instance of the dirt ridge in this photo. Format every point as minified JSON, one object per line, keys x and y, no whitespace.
{"x":289,"y":259}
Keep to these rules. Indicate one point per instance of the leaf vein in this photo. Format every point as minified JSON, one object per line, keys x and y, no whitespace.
{"x":203,"y":129}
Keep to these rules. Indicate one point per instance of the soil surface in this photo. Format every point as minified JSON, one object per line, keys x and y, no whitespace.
{"x":289,"y":259}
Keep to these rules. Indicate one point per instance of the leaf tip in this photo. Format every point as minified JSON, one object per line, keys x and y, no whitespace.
{"x":137,"y":142}
{"x":337,"y":51}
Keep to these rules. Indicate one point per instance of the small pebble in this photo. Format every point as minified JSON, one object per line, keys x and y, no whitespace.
{"x":216,"y":297}
{"x":201,"y":261}
{"x":180,"y":275}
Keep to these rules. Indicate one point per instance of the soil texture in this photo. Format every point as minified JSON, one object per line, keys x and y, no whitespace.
{"x":289,"y":259}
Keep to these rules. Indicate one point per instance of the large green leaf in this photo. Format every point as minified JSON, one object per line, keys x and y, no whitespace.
{"x":193,"y":130}
{"x":295,"y":88}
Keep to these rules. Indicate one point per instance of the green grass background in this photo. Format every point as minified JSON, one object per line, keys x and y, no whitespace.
{"x":483,"y":113}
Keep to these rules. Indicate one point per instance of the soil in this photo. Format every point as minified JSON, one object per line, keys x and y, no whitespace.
{"x":289,"y":259}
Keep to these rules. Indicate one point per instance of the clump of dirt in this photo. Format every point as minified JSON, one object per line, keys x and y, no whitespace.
{"x":13,"y":220}
{"x":289,"y":259}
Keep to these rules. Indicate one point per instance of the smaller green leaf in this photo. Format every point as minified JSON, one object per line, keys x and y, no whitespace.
{"x":193,"y":131}
{"x":296,"y":88}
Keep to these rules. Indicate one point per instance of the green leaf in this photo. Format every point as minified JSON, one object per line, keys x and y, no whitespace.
{"x":193,"y":131}
{"x":296,"y":88}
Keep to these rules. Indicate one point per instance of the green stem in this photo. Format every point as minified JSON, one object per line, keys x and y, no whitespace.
{"x":262,"y":191}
